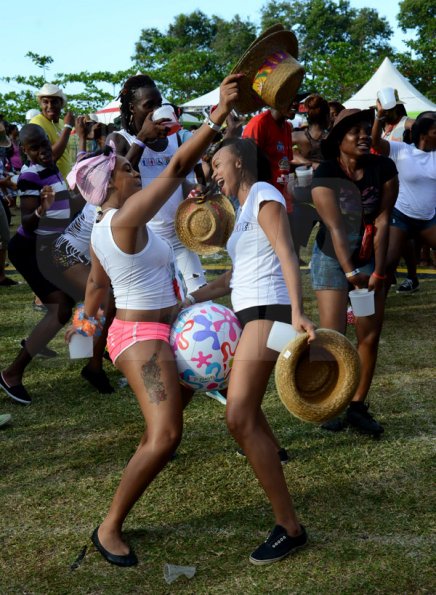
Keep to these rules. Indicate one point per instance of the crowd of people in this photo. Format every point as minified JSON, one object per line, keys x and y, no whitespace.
{"x":98,"y":232}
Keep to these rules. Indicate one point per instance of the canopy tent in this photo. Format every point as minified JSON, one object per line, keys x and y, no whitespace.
{"x":203,"y":101}
{"x":388,"y":76}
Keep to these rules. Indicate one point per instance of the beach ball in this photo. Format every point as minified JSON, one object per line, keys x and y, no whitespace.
{"x":204,"y":339}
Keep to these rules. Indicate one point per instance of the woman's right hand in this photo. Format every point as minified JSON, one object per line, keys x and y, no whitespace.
{"x":229,"y":92}
{"x":69,"y":333}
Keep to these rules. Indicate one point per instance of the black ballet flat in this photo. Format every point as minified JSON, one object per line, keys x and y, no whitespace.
{"x":129,"y":559}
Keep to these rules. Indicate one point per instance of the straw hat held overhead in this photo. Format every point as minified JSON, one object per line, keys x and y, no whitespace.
{"x":204,"y":225}
{"x":316,"y":382}
{"x":272,"y":72}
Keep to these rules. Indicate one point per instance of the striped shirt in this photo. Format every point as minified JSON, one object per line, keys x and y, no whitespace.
{"x":30,"y":183}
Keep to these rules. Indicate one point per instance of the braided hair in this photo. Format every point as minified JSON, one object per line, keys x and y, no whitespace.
{"x":127,"y":96}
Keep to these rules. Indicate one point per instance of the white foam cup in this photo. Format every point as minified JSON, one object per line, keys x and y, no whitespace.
{"x":80,"y":346}
{"x":387,"y":98}
{"x":280,"y":335}
{"x":304,"y":176}
{"x":166,"y":111}
{"x":362,"y":302}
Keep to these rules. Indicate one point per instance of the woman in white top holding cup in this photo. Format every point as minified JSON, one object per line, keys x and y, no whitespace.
{"x":354,"y":193}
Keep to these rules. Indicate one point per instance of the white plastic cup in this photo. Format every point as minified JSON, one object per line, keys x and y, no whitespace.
{"x":362,"y":302}
{"x":172,"y":572}
{"x":80,"y":346}
{"x":280,"y":335}
{"x":387,"y":98}
{"x":304,"y":176}
{"x":166,"y":111}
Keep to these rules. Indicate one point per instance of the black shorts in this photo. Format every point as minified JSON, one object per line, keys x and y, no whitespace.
{"x":273,"y":312}
{"x":33,"y":260}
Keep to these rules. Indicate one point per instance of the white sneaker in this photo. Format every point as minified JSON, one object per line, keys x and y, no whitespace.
{"x":215,"y":394}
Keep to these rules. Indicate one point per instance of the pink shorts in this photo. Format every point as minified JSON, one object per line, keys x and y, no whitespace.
{"x":124,"y":333}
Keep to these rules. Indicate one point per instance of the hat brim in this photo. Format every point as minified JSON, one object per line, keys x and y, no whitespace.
{"x":329,"y":147}
{"x":193,"y":243}
{"x":317,"y":381}
{"x":249,"y":64}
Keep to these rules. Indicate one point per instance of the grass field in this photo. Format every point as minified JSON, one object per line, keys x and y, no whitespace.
{"x":367,"y":505}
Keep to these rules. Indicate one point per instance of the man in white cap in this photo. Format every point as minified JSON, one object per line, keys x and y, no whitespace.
{"x":52,"y":99}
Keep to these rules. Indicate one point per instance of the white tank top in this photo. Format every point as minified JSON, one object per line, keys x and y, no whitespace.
{"x":142,"y":281}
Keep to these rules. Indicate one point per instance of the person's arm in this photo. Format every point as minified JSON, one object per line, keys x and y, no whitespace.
{"x":379,"y":144}
{"x":389,"y":195}
{"x":33,"y":208}
{"x":219,"y":287}
{"x":325,"y":203}
{"x":274,"y":222}
{"x":60,"y":145}
{"x":143,"y":205}
{"x":97,"y":287}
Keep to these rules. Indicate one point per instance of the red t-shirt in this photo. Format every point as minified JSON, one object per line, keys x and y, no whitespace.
{"x":276,"y":142}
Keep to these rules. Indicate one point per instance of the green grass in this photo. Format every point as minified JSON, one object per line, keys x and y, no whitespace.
{"x":367,"y":504}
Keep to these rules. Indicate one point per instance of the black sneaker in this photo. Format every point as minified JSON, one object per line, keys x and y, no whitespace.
{"x":408,"y":286}
{"x":282,"y":452}
{"x":277,"y":546}
{"x":44,"y":352}
{"x":18,"y":393}
{"x":359,"y":418}
{"x":336,"y":424}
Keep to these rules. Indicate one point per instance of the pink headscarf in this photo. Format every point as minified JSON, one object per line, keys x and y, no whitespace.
{"x":92,"y":176}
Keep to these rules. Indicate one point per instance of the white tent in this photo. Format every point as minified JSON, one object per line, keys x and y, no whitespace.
{"x":207,"y":100}
{"x":388,"y":76}
{"x":109,"y":112}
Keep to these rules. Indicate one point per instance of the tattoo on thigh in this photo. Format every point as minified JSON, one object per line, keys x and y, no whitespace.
{"x":150,"y":373}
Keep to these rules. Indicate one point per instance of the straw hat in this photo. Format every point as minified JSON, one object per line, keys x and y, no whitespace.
{"x":204,"y":224}
{"x":50,"y":90}
{"x":5,"y":141}
{"x":316,"y":381}
{"x":272,"y":72}
{"x":344,"y":121}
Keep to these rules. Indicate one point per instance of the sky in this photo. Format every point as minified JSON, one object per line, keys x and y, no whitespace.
{"x":95,"y":35}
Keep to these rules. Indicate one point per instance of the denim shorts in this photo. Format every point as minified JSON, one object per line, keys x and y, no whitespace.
{"x":326,"y":272}
{"x":410,"y":225}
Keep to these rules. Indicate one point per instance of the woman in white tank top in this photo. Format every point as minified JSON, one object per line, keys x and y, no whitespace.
{"x":140,"y":343}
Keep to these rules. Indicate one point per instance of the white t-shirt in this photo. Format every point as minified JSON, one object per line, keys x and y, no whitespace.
{"x":257,"y":278}
{"x":417,"y":176}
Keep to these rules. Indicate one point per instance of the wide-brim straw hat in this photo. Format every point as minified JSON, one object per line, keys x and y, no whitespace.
{"x":51,"y":90}
{"x":317,"y":380}
{"x":272,"y":71}
{"x":204,"y":224}
{"x":345,"y":120}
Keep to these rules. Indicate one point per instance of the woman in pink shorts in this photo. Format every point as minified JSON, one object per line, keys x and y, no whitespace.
{"x":138,"y":264}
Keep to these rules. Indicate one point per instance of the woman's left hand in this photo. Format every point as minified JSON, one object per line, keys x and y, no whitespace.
{"x":302,"y":324}
{"x":376,"y":284}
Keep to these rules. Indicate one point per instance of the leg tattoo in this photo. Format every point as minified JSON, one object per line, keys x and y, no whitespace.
{"x":152,"y":381}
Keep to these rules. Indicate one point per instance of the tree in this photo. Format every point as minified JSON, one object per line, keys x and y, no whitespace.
{"x":194,"y":54}
{"x":339,"y":46}
{"x":419,"y":65}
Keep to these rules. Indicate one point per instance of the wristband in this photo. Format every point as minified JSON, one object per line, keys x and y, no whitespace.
{"x":352,"y":273}
{"x":212,"y":125}
{"x":379,"y":119}
{"x":36,"y":213}
{"x":138,"y":142}
{"x":68,"y":126}
{"x":381,"y":277}
{"x":191,"y":299}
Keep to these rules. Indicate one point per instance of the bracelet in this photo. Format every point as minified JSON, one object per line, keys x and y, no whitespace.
{"x":379,"y":119}
{"x":81,"y":153}
{"x":68,"y":126}
{"x":352,"y":273}
{"x":191,"y":299}
{"x":88,"y":325}
{"x":212,"y":125}
{"x":36,"y":213}
{"x":381,"y":277}
{"x":138,"y":142}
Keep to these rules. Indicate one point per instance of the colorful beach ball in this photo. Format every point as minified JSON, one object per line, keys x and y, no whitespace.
{"x":204,"y":339}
